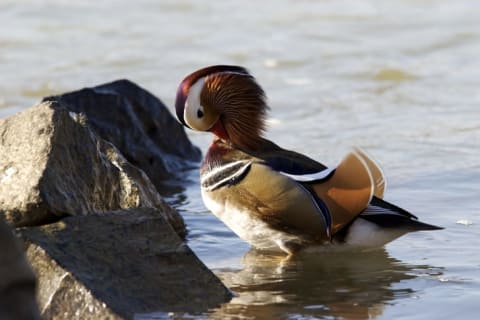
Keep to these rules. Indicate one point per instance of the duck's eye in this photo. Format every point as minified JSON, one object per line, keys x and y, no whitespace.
{"x":199,"y":113}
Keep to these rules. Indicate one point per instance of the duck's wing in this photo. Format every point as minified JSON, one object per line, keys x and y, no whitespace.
{"x":379,"y":181}
{"x":307,"y":171}
{"x":295,"y":166}
{"x":383,"y":213}
{"x":345,"y":190}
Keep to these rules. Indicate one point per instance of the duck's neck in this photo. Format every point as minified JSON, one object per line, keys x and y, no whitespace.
{"x":260,"y":145}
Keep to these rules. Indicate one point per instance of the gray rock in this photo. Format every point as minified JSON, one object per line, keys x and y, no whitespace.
{"x":17,"y":280}
{"x":101,"y":240}
{"x":117,"y":264}
{"x":52,"y":165}
{"x":139,"y":125}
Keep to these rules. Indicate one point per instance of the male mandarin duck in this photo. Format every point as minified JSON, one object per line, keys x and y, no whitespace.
{"x":273,"y":198}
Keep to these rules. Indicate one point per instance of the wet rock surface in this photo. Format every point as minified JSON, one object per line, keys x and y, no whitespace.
{"x":139,"y":125}
{"x":126,"y":261}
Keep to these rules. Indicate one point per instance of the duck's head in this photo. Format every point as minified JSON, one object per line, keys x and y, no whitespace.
{"x":225,"y":100}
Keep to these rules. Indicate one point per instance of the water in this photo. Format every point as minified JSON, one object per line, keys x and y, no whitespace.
{"x":397,"y":78}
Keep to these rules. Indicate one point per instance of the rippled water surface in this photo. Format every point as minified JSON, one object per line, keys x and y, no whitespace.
{"x":397,"y":78}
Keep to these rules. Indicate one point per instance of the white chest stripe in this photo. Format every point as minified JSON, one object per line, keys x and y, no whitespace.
{"x":310,"y":176}
{"x":223,"y":174}
{"x":192,"y":106}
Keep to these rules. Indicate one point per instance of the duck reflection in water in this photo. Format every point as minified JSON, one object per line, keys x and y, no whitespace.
{"x":348,"y":285}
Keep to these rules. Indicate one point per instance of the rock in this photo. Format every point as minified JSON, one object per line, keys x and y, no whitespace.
{"x":118,"y":264}
{"x":17,"y":280}
{"x":53,"y":165}
{"x":98,"y":235}
{"x":139,"y":125}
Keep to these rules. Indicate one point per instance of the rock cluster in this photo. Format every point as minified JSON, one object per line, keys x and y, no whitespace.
{"x":139,"y":125}
{"x":80,"y":176}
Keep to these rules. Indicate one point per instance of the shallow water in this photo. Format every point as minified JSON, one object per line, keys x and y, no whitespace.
{"x":398,"y":78}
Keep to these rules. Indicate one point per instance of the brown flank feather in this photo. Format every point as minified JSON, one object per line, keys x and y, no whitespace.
{"x":241,"y":104}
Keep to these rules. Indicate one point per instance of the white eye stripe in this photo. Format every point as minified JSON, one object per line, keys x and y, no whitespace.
{"x":193,"y":108}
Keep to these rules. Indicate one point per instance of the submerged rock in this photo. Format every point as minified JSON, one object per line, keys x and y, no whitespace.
{"x":139,"y":125}
{"x":122,"y":263}
{"x":17,"y":280}
{"x":52,"y":165}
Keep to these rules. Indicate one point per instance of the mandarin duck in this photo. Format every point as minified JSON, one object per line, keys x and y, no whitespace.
{"x":273,"y":198}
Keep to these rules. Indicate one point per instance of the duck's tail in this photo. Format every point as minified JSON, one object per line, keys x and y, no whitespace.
{"x":387,"y":215}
